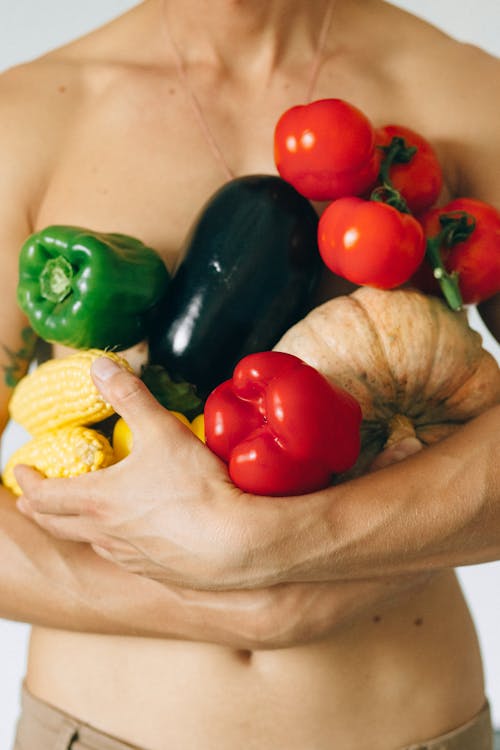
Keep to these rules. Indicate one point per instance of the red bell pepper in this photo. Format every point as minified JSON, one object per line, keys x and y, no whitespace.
{"x":282,"y":427}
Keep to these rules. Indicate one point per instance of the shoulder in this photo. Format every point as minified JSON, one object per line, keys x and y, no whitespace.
{"x":42,"y":101}
{"x":453,"y":92}
{"x":431,"y":60}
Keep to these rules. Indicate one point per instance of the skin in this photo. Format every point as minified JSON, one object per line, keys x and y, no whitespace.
{"x":321,"y":599}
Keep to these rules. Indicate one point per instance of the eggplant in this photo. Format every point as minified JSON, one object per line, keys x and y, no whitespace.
{"x":248,"y":272}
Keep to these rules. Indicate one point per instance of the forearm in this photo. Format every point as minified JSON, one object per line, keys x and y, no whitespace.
{"x":60,"y":584}
{"x":65,"y":585}
{"x":437,"y":509}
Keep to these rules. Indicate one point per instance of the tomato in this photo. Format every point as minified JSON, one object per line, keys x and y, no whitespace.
{"x":419,"y":180}
{"x":476,"y":259}
{"x":370,"y":243}
{"x":326,"y":150}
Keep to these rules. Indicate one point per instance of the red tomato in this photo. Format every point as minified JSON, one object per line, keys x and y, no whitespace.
{"x":476,"y":259}
{"x":326,"y":150}
{"x":420,"y":180}
{"x":370,"y":243}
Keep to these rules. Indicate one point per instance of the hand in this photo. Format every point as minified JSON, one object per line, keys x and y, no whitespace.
{"x":164,"y":512}
{"x":169,"y":511}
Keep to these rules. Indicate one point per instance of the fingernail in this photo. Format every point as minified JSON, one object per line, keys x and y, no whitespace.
{"x":104,"y":368}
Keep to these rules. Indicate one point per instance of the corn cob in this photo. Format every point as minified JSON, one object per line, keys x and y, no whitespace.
{"x":61,"y":393}
{"x":66,"y":452}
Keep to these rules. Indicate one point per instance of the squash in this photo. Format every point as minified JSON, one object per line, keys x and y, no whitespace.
{"x":416,"y":368}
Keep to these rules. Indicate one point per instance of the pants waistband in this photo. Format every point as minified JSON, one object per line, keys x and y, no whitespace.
{"x":44,"y":727}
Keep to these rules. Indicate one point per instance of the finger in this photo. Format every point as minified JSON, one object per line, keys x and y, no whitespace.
{"x":127,"y":394}
{"x":58,"y":496}
{"x":72,"y":528}
{"x":397,"y":452}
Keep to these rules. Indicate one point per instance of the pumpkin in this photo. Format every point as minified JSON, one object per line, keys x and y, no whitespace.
{"x":416,"y":368}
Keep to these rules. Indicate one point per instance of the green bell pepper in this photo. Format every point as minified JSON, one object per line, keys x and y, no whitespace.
{"x":89,"y":289}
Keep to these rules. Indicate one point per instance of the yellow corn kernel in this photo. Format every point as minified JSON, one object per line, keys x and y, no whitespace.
{"x":61,"y":393}
{"x":66,"y":452}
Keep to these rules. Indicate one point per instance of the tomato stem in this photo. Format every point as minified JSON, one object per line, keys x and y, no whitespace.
{"x":447,"y":281}
{"x":387,"y":194}
{"x":397,"y":152}
{"x":456,"y":226}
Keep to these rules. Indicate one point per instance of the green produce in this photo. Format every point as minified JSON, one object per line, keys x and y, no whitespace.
{"x":89,"y":289}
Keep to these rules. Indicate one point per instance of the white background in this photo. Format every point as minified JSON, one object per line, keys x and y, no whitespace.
{"x":29,"y":28}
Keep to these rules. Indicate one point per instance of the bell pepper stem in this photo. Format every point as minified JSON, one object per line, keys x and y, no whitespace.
{"x":55,"y":279}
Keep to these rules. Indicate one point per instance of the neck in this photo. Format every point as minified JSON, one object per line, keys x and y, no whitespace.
{"x":244,"y":34}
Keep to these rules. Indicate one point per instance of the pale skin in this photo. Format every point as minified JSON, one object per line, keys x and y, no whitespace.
{"x":194,"y":529}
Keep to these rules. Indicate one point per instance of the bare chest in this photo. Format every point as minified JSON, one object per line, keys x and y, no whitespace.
{"x":135,"y":159}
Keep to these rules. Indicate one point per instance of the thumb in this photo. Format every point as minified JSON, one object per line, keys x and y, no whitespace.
{"x":126,"y":393}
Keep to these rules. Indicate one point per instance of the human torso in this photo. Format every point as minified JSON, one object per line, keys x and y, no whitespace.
{"x":405,"y":670}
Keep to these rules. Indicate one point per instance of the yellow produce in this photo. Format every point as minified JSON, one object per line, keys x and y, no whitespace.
{"x":198,"y":427}
{"x":65,"y":452}
{"x":61,"y":393}
{"x":122,"y":439}
{"x":122,"y":434}
{"x":181,"y":418}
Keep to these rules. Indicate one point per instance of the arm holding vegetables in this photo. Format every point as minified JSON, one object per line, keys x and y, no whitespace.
{"x":60,"y":584}
{"x":65,"y":585}
{"x":438,"y":509}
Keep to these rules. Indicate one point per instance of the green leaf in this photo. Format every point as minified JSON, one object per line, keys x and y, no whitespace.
{"x":175,"y":396}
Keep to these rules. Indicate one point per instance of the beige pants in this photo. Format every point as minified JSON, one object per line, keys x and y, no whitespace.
{"x":43,"y":727}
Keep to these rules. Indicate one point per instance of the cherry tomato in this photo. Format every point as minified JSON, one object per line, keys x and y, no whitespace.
{"x":419,"y":180}
{"x":476,"y":259}
{"x":326,"y":150}
{"x":370,"y":243}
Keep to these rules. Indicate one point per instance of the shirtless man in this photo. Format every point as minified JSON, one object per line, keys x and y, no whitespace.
{"x":101,"y":134}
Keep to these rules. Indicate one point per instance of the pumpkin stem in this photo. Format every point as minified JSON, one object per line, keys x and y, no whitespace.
{"x":400,"y":427}
{"x":401,"y":443}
